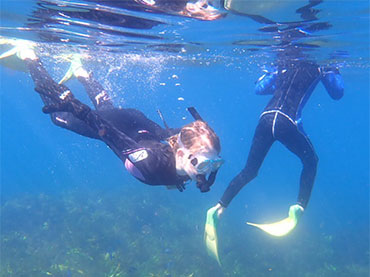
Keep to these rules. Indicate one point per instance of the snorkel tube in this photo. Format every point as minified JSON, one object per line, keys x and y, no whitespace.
{"x":194,"y":113}
{"x":202,"y":183}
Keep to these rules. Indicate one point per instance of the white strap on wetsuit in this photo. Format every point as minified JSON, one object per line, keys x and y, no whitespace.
{"x":279,"y":112}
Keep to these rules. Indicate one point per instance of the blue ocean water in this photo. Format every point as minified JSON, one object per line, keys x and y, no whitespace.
{"x":69,"y":208}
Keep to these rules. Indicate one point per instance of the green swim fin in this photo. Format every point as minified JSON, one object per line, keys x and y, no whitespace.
{"x":285,"y":226}
{"x":14,"y":51}
{"x":210,"y":233}
{"x":75,"y":69}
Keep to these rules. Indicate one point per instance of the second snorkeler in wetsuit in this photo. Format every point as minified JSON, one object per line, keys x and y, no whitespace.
{"x":291,"y":83}
{"x":153,"y":155}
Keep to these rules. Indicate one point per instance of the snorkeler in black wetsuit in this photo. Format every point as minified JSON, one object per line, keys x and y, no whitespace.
{"x":291,"y":84}
{"x":153,"y":155}
{"x":291,"y":81}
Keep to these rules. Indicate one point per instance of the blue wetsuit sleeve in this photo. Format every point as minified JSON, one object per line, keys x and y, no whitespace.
{"x":333,"y":82}
{"x":266,"y":83}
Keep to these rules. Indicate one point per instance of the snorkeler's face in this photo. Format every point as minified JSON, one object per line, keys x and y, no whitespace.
{"x":197,"y":151}
{"x":192,"y":164}
{"x":183,"y":164}
{"x":201,"y":10}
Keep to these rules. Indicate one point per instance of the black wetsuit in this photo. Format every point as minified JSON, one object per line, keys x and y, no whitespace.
{"x":134,"y":138}
{"x":291,"y":83}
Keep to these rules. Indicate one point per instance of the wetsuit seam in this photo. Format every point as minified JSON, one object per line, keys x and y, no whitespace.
{"x":287,"y":92}
{"x":273,"y":125}
{"x":306,"y":97}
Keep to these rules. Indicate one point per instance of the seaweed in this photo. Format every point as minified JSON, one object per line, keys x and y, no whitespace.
{"x":89,"y":232}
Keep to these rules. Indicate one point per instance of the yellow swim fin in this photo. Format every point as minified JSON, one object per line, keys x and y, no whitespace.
{"x":75,"y":69}
{"x":14,"y":51}
{"x":283,"y":227}
{"x":11,"y":52}
{"x":210,"y":233}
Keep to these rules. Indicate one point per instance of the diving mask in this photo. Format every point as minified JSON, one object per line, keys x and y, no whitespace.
{"x":202,"y":163}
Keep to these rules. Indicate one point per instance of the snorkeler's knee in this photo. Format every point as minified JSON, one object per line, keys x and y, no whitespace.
{"x":247,"y":175}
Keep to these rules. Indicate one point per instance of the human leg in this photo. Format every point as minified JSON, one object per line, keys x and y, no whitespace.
{"x":261,"y":144}
{"x":97,"y":94}
{"x":298,"y":142}
{"x":50,"y":93}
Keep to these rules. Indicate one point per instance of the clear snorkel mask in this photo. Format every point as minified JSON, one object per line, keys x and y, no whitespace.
{"x":204,"y":165}
{"x":198,"y":166}
{"x":203,"y":159}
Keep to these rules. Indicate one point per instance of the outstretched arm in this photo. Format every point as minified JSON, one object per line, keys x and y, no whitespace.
{"x":333,"y":82}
